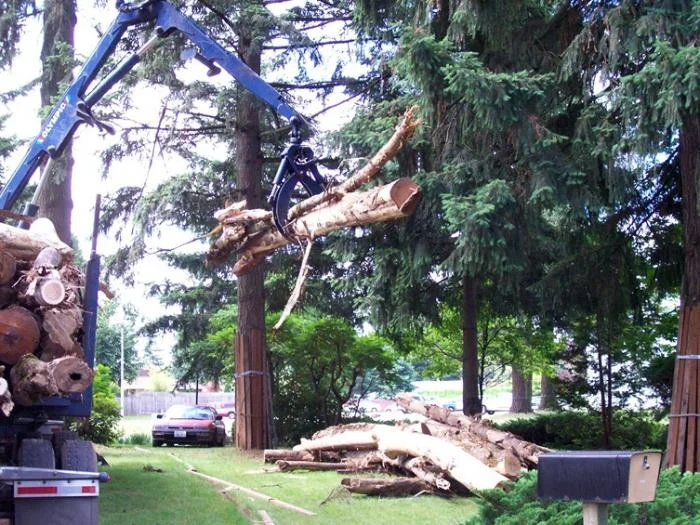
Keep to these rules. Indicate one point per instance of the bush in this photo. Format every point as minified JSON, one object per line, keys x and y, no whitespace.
{"x":677,"y":503}
{"x":135,"y":439}
{"x":582,"y":430}
{"x":103,"y":424}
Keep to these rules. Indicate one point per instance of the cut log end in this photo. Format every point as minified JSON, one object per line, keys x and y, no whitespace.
{"x":19,"y":334}
{"x":71,"y":374}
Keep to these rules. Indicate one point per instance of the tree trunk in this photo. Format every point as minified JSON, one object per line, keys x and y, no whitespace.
{"x":54,"y":200}
{"x":683,"y":434}
{"x":548,"y":395}
{"x":470,"y":356}
{"x":253,"y":419}
{"x":522,"y":394}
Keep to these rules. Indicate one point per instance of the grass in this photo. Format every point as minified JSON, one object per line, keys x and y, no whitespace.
{"x":137,"y":496}
{"x":175,"y":497}
{"x":130,"y":425}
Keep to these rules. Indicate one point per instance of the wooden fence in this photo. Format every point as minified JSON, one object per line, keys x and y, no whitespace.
{"x":147,"y":403}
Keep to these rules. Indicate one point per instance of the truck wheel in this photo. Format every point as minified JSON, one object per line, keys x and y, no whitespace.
{"x":77,"y":454}
{"x":59,"y":438}
{"x":36,"y":453}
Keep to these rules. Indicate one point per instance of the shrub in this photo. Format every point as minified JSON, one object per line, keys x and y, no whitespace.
{"x":677,"y":503}
{"x":135,"y":439}
{"x":582,"y":430}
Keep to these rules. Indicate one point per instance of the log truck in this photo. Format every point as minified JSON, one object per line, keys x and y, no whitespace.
{"x":33,"y":489}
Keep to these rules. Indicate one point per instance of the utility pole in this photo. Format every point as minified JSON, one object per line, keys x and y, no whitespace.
{"x":121,"y":372}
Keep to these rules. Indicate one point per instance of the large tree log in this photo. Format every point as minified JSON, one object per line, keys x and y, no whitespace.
{"x":386,"y":486}
{"x":25,"y":245}
{"x":384,"y":203}
{"x":19,"y":334}
{"x":460,"y":465}
{"x":31,"y":380}
{"x":352,"y":440}
{"x":528,"y":453}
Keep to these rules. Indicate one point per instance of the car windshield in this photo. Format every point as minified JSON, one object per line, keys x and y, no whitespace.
{"x":184,"y":412}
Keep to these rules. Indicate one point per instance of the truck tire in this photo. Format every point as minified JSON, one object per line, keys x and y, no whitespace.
{"x":36,"y":453}
{"x":77,"y":454}
{"x":59,"y":438}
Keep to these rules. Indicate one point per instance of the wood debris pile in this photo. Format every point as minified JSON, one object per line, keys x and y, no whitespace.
{"x":447,"y":453}
{"x":41,"y":317}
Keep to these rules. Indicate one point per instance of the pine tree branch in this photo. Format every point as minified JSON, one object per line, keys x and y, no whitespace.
{"x":310,"y":44}
{"x":320,"y":85}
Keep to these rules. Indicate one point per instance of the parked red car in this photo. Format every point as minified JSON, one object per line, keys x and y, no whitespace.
{"x":189,"y":425}
{"x":226,"y":409}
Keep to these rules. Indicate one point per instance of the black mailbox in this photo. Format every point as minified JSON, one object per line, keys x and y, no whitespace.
{"x":599,"y":476}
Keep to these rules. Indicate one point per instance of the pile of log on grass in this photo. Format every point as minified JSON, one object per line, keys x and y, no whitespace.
{"x":447,"y":453}
{"x":41,"y":317}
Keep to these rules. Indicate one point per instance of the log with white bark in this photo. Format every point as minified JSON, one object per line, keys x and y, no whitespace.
{"x":352,"y":440}
{"x":25,"y":245}
{"x":19,"y":333}
{"x":527,"y":453}
{"x":289,"y":465}
{"x":457,"y":463}
{"x":386,"y":486}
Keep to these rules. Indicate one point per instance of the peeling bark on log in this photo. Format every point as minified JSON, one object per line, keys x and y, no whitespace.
{"x":19,"y":334}
{"x":70,"y":374}
{"x":460,"y":465}
{"x":31,"y":380}
{"x":528,"y":453}
{"x":273,"y":455}
{"x":25,"y":245}
{"x":386,"y":487}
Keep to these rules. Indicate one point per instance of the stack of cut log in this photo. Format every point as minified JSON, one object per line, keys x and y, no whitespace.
{"x":41,"y":317}
{"x":447,"y":453}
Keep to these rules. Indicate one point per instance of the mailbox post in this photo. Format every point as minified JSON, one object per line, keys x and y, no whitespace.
{"x":598,"y":478}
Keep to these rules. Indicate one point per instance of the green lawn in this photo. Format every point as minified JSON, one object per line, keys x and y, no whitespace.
{"x":176,"y":497}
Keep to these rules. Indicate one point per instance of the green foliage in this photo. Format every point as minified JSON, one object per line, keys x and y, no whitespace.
{"x":108,"y":339}
{"x":136,"y":439}
{"x":677,"y":503}
{"x":582,"y":430}
{"x":317,"y":361}
{"x":103,"y":424}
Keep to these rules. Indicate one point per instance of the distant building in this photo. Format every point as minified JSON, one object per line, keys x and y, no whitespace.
{"x":148,"y":380}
